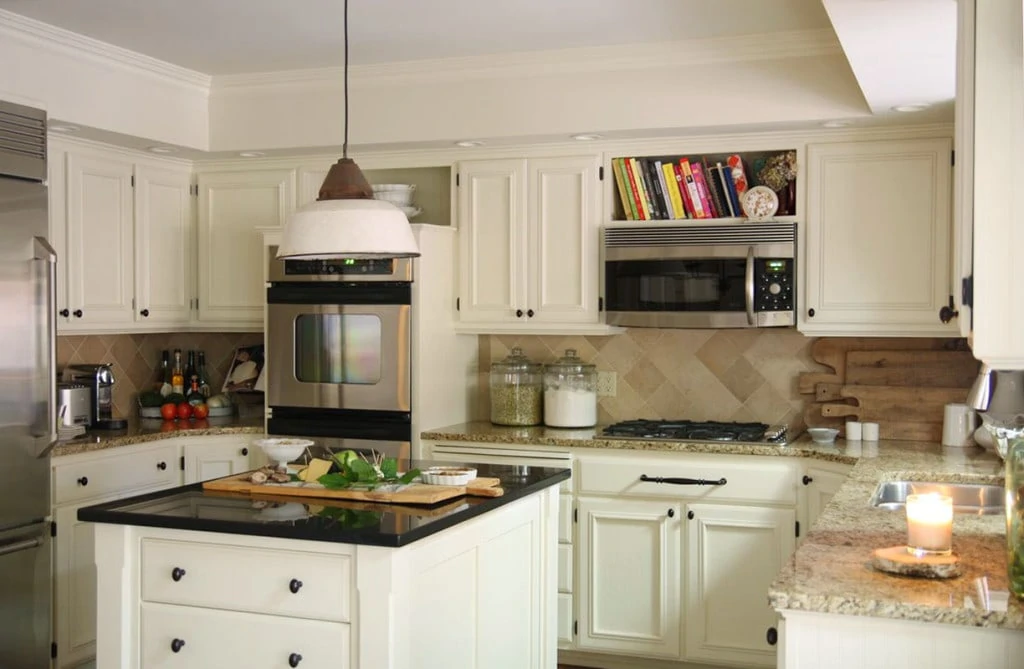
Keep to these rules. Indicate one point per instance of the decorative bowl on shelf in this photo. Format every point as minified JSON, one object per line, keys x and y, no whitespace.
{"x":281,"y":451}
{"x":760,"y":203}
{"x":823,"y":435}
{"x":399,"y":195}
{"x":447,"y":475}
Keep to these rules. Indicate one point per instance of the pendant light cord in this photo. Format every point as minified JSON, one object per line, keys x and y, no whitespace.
{"x":344,"y":147}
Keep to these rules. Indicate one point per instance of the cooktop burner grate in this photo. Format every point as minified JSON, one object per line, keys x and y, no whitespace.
{"x":688,"y":430}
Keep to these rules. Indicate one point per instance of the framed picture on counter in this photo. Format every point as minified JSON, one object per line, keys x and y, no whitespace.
{"x":246,"y":373}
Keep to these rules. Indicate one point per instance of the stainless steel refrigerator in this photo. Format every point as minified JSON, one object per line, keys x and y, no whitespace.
{"x":28,"y":422}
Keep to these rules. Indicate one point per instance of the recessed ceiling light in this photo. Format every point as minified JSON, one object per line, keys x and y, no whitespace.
{"x":469,"y":142}
{"x":251,"y":154}
{"x":63,"y":128}
{"x":163,"y":149}
{"x":836,"y":124}
{"x":910,"y":108}
{"x":586,"y":138}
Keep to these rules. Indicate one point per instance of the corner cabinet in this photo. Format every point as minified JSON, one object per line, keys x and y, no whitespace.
{"x":877,"y":253}
{"x":232,"y":206}
{"x":529,"y":245}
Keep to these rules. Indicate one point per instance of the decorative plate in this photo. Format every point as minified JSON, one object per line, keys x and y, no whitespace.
{"x":760,"y":203}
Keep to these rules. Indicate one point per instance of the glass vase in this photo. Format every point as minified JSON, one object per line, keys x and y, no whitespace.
{"x":1008,"y":437}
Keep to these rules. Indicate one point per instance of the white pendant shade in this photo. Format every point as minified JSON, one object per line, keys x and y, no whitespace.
{"x":354,"y":228}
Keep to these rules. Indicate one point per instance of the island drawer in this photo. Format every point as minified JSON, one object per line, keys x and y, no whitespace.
{"x":756,"y":479}
{"x":260,"y":580}
{"x":115,"y":474}
{"x":173,"y":637}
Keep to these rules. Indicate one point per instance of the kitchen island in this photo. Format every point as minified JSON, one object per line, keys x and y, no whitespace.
{"x":201,"y":579}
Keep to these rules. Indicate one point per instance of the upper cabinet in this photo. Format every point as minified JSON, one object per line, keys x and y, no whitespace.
{"x":232,"y":206}
{"x":164,"y":286}
{"x":529,"y":231}
{"x":877,"y":252}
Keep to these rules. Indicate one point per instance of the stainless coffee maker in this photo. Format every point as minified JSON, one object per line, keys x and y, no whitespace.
{"x":100,"y":380}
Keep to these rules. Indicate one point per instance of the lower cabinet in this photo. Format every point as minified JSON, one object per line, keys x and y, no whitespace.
{"x":822,"y":483}
{"x":211,"y":459}
{"x":74,"y":587}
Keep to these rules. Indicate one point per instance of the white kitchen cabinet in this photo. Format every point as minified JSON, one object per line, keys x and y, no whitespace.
{"x":529,"y":245}
{"x":629,"y":571}
{"x":877,"y":253}
{"x":821,"y":482}
{"x":733,"y":555}
{"x":215,"y":457}
{"x":232,"y":206}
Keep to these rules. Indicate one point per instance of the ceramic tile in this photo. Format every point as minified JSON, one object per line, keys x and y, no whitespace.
{"x":718,"y":353}
{"x":622,"y":352}
{"x":668,"y":401}
{"x":645,"y":378}
{"x":768,"y":405}
{"x":124,"y":351}
{"x":742,"y":379}
{"x":92,"y":350}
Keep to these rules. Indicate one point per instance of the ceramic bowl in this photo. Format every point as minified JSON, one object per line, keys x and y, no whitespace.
{"x":823,"y":435}
{"x":282,"y":450}
{"x":447,"y":475}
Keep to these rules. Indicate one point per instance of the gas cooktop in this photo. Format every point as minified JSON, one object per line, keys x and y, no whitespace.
{"x":689,"y":430}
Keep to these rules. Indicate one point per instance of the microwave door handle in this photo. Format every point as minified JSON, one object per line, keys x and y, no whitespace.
{"x":748,"y":281}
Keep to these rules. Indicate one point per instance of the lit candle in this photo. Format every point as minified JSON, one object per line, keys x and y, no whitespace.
{"x":930,"y":523}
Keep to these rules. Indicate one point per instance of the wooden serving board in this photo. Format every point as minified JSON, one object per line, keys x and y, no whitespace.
{"x":833,"y":352}
{"x":929,"y":369}
{"x":895,"y":404}
{"x":416,"y":493}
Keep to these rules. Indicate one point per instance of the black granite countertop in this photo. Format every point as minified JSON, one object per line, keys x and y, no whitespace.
{"x":341,"y":521}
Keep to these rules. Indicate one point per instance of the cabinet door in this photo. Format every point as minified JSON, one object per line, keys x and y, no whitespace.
{"x":57,"y":191}
{"x":310,"y":180}
{"x":822,"y":485}
{"x":100,"y":251}
{"x":232,"y":205}
{"x":733,"y":555}
{"x":205,"y":461}
{"x":493,"y":246}
{"x":74,"y":569}
{"x":629,"y":569}
{"x":564,"y":220}
{"x":877,"y":258}
{"x":163,"y":245}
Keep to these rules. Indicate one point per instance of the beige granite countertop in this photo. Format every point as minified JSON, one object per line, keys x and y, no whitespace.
{"x":831,"y":572}
{"x":142,"y":430}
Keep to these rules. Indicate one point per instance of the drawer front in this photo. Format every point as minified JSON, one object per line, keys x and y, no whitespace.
{"x":151,"y":468}
{"x":565,"y":620}
{"x":181,"y":637}
{"x":275,"y":582}
{"x":564,"y":568}
{"x":766,"y":479}
{"x":565,"y":519}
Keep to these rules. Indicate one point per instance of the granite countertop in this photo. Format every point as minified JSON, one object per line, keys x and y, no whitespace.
{"x":141,"y":430}
{"x":340,"y":521}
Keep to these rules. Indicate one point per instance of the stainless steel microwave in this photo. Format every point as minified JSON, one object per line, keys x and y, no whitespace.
{"x":740,"y":275}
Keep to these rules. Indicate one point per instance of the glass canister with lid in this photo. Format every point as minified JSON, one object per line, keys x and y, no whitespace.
{"x":570,"y":392}
{"x":516,"y":386}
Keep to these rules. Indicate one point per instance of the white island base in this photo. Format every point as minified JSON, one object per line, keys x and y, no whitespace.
{"x":478,"y":595}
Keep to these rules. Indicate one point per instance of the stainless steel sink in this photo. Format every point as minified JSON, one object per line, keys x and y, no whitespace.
{"x":968,"y":498}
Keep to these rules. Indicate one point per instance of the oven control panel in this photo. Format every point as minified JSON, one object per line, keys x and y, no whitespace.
{"x":773,"y":284}
{"x":339,"y":266}
{"x":343,"y":270}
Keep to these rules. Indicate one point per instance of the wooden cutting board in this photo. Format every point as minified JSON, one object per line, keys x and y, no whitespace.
{"x":833,"y":352}
{"x":929,"y":369}
{"x":892,"y":430}
{"x":416,"y":493}
{"x":894,"y":403}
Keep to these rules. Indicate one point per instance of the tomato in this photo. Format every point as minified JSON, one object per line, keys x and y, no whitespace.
{"x":184,"y":411}
{"x":168,"y":411}
{"x":200,"y":411}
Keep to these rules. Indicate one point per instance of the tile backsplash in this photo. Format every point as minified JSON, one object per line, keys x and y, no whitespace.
{"x":738,"y":375}
{"x":136,"y":357}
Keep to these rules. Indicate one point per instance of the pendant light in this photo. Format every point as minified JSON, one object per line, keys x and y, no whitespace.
{"x":345,"y":221}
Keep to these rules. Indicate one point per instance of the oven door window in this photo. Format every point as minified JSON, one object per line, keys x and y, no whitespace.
{"x":714,"y":284}
{"x":338,"y":348}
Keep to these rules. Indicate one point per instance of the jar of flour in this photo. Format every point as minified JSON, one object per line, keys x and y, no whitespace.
{"x":570,"y":392}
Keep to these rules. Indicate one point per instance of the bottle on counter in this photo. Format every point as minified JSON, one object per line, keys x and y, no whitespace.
{"x":163,"y":381}
{"x":204,"y":379}
{"x":190,"y":368}
{"x":177,"y":374}
{"x":570,"y":392}
{"x":194,"y":395}
{"x":516,"y":386}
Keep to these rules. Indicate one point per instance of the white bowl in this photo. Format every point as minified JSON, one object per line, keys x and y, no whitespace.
{"x":399,"y":195}
{"x":411,"y":212}
{"x":447,"y":475}
{"x":283,"y":450}
{"x":823,"y":435}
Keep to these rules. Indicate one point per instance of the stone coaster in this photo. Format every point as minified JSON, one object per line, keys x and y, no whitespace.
{"x":897,"y":560}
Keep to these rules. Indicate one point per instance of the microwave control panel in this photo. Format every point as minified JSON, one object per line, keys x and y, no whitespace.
{"x":339,"y":266}
{"x":773,"y":284}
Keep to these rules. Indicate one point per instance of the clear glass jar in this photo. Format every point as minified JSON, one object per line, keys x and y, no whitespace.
{"x":1008,"y":438}
{"x":570,"y":392}
{"x":516,"y":390}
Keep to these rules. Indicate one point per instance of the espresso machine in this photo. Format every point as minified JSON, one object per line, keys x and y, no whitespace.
{"x":99,"y":379}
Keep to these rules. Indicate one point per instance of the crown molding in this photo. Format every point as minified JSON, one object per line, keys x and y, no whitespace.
{"x":795,"y":44}
{"x":72,"y":44}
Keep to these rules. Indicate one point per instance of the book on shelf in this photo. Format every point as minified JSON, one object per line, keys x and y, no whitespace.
{"x":691,"y":187}
{"x":654,"y":190}
{"x":714,"y":186}
{"x":625,"y":192}
{"x":678,"y":211}
{"x":638,"y":189}
{"x":702,"y":189}
{"x":730,"y":188}
{"x":684,"y":192}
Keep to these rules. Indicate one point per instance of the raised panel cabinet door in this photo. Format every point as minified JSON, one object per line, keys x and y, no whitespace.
{"x":733,"y":555}
{"x":210,"y":461}
{"x":74,"y":587}
{"x":310,"y":180}
{"x":824,"y":484}
{"x":629,"y":570}
{"x":877,"y":258}
{"x":493,"y":244}
{"x":564,"y":222}
{"x":163,"y":245}
{"x":56,"y":191}
{"x":100,"y":248}
{"x":232,"y":205}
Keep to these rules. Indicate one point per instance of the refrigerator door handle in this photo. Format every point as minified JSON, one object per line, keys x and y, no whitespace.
{"x":45,"y":253}
{"x":21,"y":545}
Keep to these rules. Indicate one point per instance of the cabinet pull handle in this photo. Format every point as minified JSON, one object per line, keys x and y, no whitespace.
{"x":529,"y":313}
{"x":77,"y":313}
{"x":245,"y":451}
{"x":295,"y":585}
{"x":161,"y":465}
{"x":689,"y":514}
{"x":671,"y":513}
{"x":519,"y":313}
{"x":177,"y":573}
{"x":294,"y":659}
{"x":949,"y":312}
{"x":145,"y":313}
{"x":177,"y":645}
{"x":807,"y":479}
{"x":64,"y":312}
{"x":84,"y":481}
{"x":681,"y":481}
{"x":772,"y":636}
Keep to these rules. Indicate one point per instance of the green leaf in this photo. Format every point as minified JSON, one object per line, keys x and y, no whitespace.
{"x":389,"y":468}
{"x":409,"y":476}
{"x":334,"y":481}
{"x":363,"y":470}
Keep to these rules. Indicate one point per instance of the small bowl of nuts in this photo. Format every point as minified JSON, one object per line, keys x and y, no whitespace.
{"x":447,"y":475}
{"x":282,"y":451}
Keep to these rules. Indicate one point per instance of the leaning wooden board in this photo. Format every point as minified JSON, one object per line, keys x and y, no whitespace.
{"x":894,"y":403}
{"x":416,"y":493}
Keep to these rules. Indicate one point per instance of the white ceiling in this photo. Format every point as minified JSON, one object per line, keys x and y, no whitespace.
{"x":237,"y":36}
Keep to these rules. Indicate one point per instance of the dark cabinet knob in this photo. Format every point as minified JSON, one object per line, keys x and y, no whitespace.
{"x":689,"y":514}
{"x":529,"y":313}
{"x":245,"y":451}
{"x":295,"y":585}
{"x":83,"y":481}
{"x":145,"y":313}
{"x":64,"y":312}
{"x":161,"y":466}
{"x":671,"y":513}
{"x":810,"y":313}
{"x":807,"y":480}
{"x":78,"y":313}
{"x":177,"y":573}
{"x":949,"y":312}
{"x":177,"y":645}
{"x":519,"y":313}
{"x":772,"y":636}
{"x":294,"y":659}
